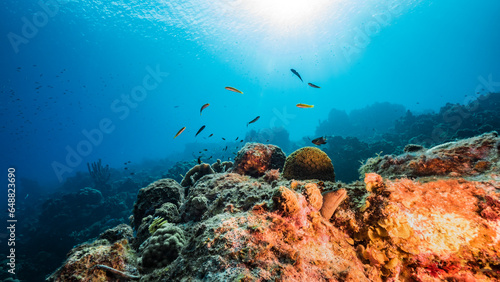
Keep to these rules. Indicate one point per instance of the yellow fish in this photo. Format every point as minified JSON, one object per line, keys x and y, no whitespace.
{"x":305,"y":106}
{"x":203,"y":107}
{"x":180,"y":131}
{"x":233,"y":89}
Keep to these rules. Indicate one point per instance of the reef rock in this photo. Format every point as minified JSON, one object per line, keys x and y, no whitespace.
{"x":195,"y":173}
{"x":254,"y":159}
{"x":154,"y":196}
{"x":98,"y":261}
{"x":467,"y":157}
{"x":309,"y":163}
{"x":233,"y":227}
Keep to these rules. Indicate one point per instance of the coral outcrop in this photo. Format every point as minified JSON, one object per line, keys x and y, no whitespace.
{"x":195,"y":173}
{"x":254,"y":159}
{"x":232,"y":227}
{"x":467,"y":157}
{"x":309,"y":163}
{"x":154,"y":196}
{"x":163,"y":247}
{"x":98,"y":261}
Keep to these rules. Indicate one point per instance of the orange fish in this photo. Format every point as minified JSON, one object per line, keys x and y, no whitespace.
{"x":203,"y":107}
{"x":233,"y":89}
{"x":305,"y":106}
{"x":313,"y":85}
{"x":180,"y":131}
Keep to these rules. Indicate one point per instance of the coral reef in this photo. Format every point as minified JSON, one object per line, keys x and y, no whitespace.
{"x":331,"y":202}
{"x":100,"y":174}
{"x":84,"y":263}
{"x":177,"y":171}
{"x":220,"y":167}
{"x":195,"y":173}
{"x":466,"y":157}
{"x":271,"y":175}
{"x":255,"y":159}
{"x":163,"y":247}
{"x":154,"y":196}
{"x":232,"y":227}
{"x":309,"y":163}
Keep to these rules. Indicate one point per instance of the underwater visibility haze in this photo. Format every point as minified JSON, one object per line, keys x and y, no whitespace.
{"x":103,"y":98}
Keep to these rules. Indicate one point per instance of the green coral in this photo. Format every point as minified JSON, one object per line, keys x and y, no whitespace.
{"x":156,"y":224}
{"x":309,"y":163}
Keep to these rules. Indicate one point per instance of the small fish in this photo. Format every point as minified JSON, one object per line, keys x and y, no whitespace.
{"x":305,"y":106}
{"x":210,"y":157}
{"x":211,"y":135}
{"x":132,"y":173}
{"x":203,"y":107}
{"x":253,"y":120}
{"x":223,"y":138}
{"x":237,"y":138}
{"x":297,"y":74}
{"x":129,"y":162}
{"x":125,"y":168}
{"x":199,"y":130}
{"x":180,"y":131}
{"x":313,"y":85}
{"x":225,"y":149}
{"x":205,"y":150}
{"x":241,"y":140}
{"x":176,"y":107}
{"x":27,"y":195}
{"x":319,"y":141}
{"x":199,"y":160}
{"x":233,"y":89}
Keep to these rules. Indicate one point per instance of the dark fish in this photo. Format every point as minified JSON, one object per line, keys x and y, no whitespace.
{"x":319,"y":141}
{"x":211,"y":135}
{"x":125,"y":168}
{"x":205,"y":150}
{"x":210,"y":157}
{"x":223,"y":138}
{"x":199,"y":130}
{"x":253,"y":120}
{"x":241,"y":140}
{"x":132,"y":173}
{"x":297,"y":74}
{"x":203,"y":107}
{"x":313,"y":85}
{"x":199,"y":160}
{"x":129,"y":162}
{"x":237,"y":138}
{"x":225,"y":149}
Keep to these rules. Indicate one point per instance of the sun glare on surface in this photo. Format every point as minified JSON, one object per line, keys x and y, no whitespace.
{"x":281,"y":13}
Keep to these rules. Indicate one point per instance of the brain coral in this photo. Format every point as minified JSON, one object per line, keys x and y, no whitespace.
{"x":309,"y":163}
{"x":163,"y":247}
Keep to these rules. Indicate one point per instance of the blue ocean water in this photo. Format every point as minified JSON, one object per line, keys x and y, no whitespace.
{"x":116,"y":80}
{"x":69,"y":65}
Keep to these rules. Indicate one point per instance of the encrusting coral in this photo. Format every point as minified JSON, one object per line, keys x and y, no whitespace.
{"x":467,"y":157}
{"x":195,"y":173}
{"x":309,"y":163}
{"x":254,"y":159}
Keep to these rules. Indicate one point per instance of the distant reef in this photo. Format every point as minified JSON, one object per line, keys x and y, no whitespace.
{"x":386,"y":130}
{"x":425,"y":215}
